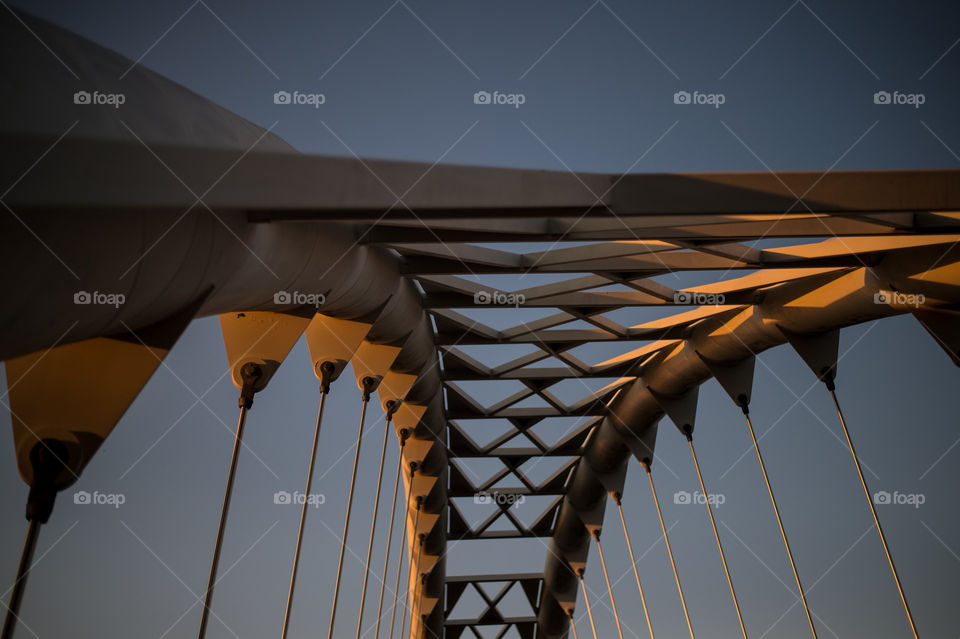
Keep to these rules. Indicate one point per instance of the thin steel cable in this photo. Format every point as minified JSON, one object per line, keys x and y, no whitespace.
{"x":373,"y":523}
{"x":716,"y":535}
{"x":666,"y":540}
{"x":346,"y":521}
{"x":573,"y":626}
{"x":636,"y":573}
{"x":393,"y":510}
{"x":786,"y":544}
{"x":416,"y":584}
{"x":403,"y":544}
{"x":873,"y":511}
{"x":224,"y":511}
{"x":586,"y":602}
{"x":406,"y":591}
{"x":23,"y":570}
{"x":421,"y":583}
{"x":303,"y":514}
{"x":606,"y":577}
{"x":417,"y":587}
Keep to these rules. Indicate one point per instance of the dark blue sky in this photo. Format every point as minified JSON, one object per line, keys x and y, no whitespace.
{"x":798,"y":83}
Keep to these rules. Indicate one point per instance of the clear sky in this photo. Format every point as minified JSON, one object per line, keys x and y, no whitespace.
{"x":598,"y":80}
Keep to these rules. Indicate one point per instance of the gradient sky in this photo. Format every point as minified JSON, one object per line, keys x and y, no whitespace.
{"x":598,"y":80}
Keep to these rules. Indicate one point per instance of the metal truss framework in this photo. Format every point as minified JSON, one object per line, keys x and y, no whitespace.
{"x":593,"y":283}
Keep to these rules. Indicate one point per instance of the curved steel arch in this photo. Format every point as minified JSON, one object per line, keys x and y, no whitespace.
{"x":725,"y":340}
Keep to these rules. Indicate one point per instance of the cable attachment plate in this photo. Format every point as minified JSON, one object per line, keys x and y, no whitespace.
{"x":819,"y":352}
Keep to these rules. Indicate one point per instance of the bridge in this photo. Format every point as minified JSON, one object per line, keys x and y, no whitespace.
{"x":382,"y":266}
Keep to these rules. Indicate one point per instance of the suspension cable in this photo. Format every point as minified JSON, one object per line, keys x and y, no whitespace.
{"x":423,"y":617}
{"x":606,"y":577}
{"x":666,"y":539}
{"x":406,"y":591}
{"x":368,"y":383}
{"x":23,"y":569}
{"x":48,"y":457}
{"x":391,"y":409}
{"x":403,"y":551}
{"x":586,"y":601}
{"x":573,"y":626}
{"x":716,"y":535}
{"x":873,"y":510}
{"x":776,"y":511}
{"x":643,"y":600}
{"x":416,"y":585}
{"x":404,"y":433}
{"x":327,"y":370}
{"x":249,"y":373}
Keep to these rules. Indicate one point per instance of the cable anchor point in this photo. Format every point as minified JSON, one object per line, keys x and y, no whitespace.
{"x":250,"y":374}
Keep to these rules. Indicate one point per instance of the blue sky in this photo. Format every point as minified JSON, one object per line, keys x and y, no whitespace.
{"x":598,"y":79}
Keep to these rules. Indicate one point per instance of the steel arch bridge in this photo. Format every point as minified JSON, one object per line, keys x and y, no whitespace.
{"x":191,"y":212}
